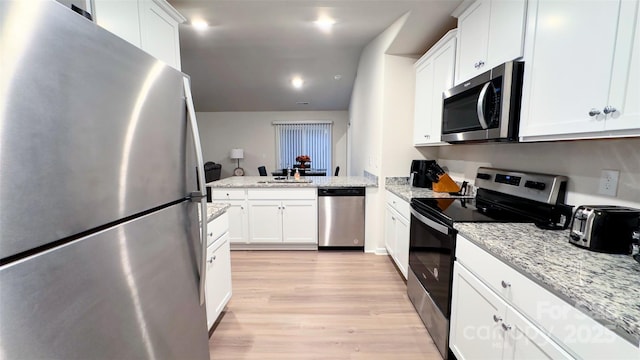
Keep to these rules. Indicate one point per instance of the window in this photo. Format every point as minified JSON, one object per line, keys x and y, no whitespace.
{"x":303,"y":138}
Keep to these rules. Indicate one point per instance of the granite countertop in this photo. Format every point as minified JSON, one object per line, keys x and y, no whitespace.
{"x":214,"y":210}
{"x":604,"y":286}
{"x":316,"y":181}
{"x":407,"y":192}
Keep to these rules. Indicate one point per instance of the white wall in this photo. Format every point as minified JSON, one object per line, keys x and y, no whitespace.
{"x":253,"y":131}
{"x":397,"y":121}
{"x":381,"y":115}
{"x":581,"y":161}
{"x":366,"y":106}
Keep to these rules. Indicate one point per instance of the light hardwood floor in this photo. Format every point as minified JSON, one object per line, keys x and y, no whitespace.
{"x":318,"y":305}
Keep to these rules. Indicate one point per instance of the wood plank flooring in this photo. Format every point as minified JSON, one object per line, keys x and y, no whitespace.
{"x":318,"y":305}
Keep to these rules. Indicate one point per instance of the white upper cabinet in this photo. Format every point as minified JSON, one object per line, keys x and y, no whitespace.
{"x":423,"y":103}
{"x":151,"y":25}
{"x":582,"y":74}
{"x":490,"y":32}
{"x":434,"y":75}
{"x":120,"y":18}
{"x":159,"y":31}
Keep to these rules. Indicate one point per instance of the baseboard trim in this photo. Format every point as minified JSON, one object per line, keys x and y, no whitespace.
{"x":274,"y":247}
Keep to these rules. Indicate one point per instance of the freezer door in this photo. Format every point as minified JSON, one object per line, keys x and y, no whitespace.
{"x":92,"y":129}
{"x":129,"y":292}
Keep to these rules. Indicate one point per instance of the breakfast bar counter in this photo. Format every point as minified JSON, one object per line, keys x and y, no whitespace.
{"x":303,"y":182}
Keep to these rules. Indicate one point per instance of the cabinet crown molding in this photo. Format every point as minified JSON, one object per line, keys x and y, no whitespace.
{"x":171,"y":11}
{"x":461,"y":8}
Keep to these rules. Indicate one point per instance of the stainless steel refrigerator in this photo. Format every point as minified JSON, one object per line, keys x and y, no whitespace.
{"x":100,"y":251}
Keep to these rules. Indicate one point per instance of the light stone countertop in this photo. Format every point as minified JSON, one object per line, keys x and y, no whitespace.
{"x":407,"y":192}
{"x":604,"y":286}
{"x":214,"y":210}
{"x":316,"y":181}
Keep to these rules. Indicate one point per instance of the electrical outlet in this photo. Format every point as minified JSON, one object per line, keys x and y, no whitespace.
{"x":609,"y":182}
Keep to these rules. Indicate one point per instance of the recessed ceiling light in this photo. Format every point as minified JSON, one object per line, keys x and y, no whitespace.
{"x":297,"y":82}
{"x":325,"y":24}
{"x":338,"y":77}
{"x":199,"y":24}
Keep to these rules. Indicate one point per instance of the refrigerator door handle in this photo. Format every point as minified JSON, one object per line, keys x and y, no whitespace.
{"x":200,"y":195}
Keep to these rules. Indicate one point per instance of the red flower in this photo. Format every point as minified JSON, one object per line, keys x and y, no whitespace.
{"x":303,"y":158}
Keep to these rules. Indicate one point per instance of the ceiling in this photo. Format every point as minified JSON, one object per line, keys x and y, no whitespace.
{"x":252,"y":49}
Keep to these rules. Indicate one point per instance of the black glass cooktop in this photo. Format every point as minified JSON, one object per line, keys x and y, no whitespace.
{"x":450,"y":210}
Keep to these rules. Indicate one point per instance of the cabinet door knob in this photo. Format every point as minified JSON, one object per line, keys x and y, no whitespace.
{"x":211,"y":234}
{"x":609,"y":110}
{"x":505,"y":284}
{"x":497,"y":318}
{"x":594,"y":112}
{"x":506,"y":327}
{"x":210,"y":261}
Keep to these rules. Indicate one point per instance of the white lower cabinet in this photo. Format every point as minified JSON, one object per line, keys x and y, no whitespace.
{"x":265,"y":219}
{"x":286,"y":221}
{"x":299,"y":221}
{"x":238,"y":213}
{"x":271,"y":218}
{"x":498,"y":313}
{"x":238,"y":226}
{"x":484,"y":326}
{"x":218,"y":278}
{"x":396,"y":232}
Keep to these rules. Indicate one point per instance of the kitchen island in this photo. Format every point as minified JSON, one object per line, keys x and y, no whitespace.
{"x":272,"y":213}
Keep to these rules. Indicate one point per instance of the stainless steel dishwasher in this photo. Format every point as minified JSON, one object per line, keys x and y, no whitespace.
{"x":341,"y":218}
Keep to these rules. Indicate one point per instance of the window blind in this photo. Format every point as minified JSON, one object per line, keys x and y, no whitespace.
{"x":307,"y":138}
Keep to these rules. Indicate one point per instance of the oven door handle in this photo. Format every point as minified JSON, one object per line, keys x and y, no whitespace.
{"x":432,"y":224}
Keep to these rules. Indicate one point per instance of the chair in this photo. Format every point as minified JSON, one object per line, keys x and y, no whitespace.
{"x":337,"y":171}
{"x":262,"y":170}
{"x":212,"y":171}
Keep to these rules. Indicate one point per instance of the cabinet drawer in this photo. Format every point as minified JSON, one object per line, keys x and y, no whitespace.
{"x":217,"y":227}
{"x":401,"y":206}
{"x":283,"y":194}
{"x":228,"y":194}
{"x":579,"y":333}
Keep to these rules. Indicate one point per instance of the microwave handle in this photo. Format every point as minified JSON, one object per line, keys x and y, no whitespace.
{"x":480,"y":106}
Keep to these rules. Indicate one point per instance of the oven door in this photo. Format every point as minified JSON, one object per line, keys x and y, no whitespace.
{"x":431,"y":255}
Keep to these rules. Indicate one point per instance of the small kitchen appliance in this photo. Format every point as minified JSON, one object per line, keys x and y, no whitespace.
{"x":419,"y":173}
{"x":502,"y":196}
{"x":604,"y":228}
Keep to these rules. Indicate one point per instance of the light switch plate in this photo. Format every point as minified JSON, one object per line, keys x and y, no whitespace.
{"x":609,"y":182}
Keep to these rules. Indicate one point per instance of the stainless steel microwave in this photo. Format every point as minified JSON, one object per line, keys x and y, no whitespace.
{"x":485,"y":108}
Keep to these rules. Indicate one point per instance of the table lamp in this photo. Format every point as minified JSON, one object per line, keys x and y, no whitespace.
{"x":237,"y":154}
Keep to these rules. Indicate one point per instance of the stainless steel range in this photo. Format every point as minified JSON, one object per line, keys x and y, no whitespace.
{"x":502,"y":196}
